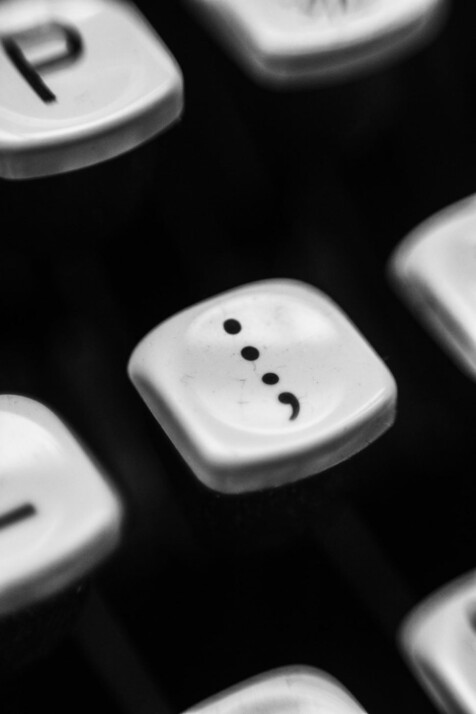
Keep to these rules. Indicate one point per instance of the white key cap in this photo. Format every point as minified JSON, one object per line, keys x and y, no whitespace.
{"x":439,"y":639}
{"x":82,"y":81}
{"x":263,"y":385}
{"x":434,"y":270}
{"x":58,"y":516}
{"x":293,"y":41}
{"x":283,"y":691}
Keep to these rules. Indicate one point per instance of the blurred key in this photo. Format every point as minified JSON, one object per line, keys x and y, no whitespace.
{"x":298,"y":41}
{"x":439,"y":640}
{"x":263,"y":385}
{"x":433,"y":269}
{"x":290,"y":689}
{"x":59,"y":518}
{"x":82,"y":81}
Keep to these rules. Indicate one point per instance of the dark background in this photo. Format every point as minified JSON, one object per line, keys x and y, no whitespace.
{"x":317,"y":184}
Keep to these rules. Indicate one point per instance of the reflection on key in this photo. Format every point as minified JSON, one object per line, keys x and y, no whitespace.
{"x":82,"y":81}
{"x":59,"y":518}
{"x":439,"y":640}
{"x":283,"y":691}
{"x":434,"y":270}
{"x":298,"y":41}
{"x":263,"y":385}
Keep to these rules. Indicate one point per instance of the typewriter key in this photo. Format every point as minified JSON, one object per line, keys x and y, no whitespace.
{"x":289,"y":42}
{"x":82,"y":81}
{"x":290,"y":689}
{"x":433,"y":270}
{"x":438,"y":638}
{"x":264,"y":385}
{"x":58,"y":516}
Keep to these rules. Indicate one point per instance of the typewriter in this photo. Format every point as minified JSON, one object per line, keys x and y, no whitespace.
{"x":254,"y":163}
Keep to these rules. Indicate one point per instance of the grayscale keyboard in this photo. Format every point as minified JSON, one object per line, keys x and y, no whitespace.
{"x":237,"y":396}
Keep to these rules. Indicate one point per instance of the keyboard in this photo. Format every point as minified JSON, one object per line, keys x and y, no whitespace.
{"x":256,"y":178}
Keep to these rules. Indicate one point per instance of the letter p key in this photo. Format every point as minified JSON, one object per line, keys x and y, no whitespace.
{"x":42,"y":49}
{"x":82,"y":82}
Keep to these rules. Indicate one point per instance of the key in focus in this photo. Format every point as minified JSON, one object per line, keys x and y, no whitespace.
{"x":82,"y":81}
{"x":287,"y":42}
{"x":59,"y":518}
{"x":263,"y":385}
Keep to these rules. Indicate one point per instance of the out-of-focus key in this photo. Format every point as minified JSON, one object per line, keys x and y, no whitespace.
{"x":297,"y":41}
{"x":263,"y":385}
{"x":59,"y":518}
{"x":439,"y":640}
{"x":291,"y":689}
{"x":82,"y":81}
{"x":434,"y":270}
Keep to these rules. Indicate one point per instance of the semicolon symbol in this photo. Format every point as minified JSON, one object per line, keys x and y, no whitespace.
{"x":16,"y":515}
{"x":293,"y":401}
{"x":251,"y":354}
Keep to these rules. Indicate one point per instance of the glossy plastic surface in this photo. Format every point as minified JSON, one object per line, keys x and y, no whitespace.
{"x":434,"y":270}
{"x":295,"y":41}
{"x":59,"y":518}
{"x":439,"y":639}
{"x":287,"y":690}
{"x":82,"y":81}
{"x":264,"y":385}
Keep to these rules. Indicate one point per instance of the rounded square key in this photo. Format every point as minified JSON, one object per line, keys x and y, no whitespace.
{"x":82,"y":81}
{"x":439,"y":639}
{"x":294,"y":41}
{"x":263,"y":385}
{"x":283,"y":691}
{"x":58,"y":516}
{"x":434,"y":270}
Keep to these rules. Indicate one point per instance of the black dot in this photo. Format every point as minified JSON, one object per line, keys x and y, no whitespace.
{"x":250,"y":353}
{"x":231,"y":326}
{"x":270,"y":378}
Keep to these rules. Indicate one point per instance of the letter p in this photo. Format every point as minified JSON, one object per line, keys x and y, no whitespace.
{"x":41,"y":49}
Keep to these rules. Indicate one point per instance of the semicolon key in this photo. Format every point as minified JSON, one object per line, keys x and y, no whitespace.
{"x":289,"y":42}
{"x":264,"y":385}
{"x":438,"y":639}
{"x":433,"y":270}
{"x":59,"y":517}
{"x":83,"y":81}
{"x":283,"y":691}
